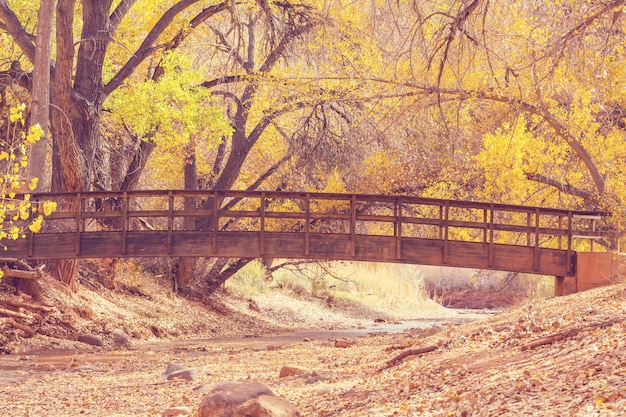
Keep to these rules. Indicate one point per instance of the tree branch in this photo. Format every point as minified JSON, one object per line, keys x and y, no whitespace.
{"x":147,"y":47}
{"x":14,"y":28}
{"x":118,"y":14}
{"x":566,"y":188}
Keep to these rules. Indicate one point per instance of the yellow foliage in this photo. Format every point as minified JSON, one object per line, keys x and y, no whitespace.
{"x":15,"y":205}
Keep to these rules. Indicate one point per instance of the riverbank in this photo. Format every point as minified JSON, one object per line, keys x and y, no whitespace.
{"x":562,"y":356}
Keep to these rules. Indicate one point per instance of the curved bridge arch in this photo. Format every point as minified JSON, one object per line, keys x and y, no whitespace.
{"x":323,"y":226}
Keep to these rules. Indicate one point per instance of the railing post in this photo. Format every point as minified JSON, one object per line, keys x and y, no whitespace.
{"x":440,"y":222}
{"x":398,"y":231}
{"x":78,"y":223}
{"x":569,"y":242}
{"x":307,"y":225}
{"x":353,"y":225}
{"x":491,"y":228}
{"x":486,"y":227}
{"x":536,"y":252}
{"x":593,"y":229}
{"x":262,"y":232}
{"x":560,"y":237}
{"x":216,"y":220}
{"x":170,"y":221}
{"x":124,"y":220}
{"x":446,"y":231}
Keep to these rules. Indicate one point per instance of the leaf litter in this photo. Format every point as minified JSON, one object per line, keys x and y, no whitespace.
{"x":484,"y":368}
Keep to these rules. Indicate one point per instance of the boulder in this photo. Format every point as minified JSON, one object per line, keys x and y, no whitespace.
{"x":173,"y":367}
{"x":187,"y":374}
{"x":292,"y":370}
{"x":266,"y":406}
{"x":224,"y":398}
{"x":344,"y":343}
{"x":120,"y":339}
{"x":90,"y":339}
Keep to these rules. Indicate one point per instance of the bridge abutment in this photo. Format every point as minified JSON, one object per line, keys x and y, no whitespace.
{"x":593,"y":270}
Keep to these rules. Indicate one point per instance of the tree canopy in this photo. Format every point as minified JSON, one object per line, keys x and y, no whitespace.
{"x":518,"y":102}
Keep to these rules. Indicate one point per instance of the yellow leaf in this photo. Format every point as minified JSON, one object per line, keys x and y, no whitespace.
{"x":24,"y":213}
{"x":14,"y":233}
{"x":35,"y":226}
{"x":49,"y":207}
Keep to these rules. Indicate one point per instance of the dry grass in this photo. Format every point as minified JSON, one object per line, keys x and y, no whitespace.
{"x":394,"y":290}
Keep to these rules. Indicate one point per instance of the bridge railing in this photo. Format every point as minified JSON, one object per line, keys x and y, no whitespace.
{"x":350,"y":214}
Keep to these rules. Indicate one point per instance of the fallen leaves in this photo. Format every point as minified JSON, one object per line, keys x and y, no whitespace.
{"x":492,"y":367}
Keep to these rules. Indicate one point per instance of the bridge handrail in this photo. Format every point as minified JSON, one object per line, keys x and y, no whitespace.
{"x":391,"y":198}
{"x":540,"y":226}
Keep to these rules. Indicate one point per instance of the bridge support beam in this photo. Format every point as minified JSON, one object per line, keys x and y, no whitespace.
{"x":593,"y":269}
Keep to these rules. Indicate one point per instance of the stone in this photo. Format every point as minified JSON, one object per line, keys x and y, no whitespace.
{"x":203,"y":389}
{"x":344,"y":343}
{"x":224,"y":398}
{"x":317,"y":376}
{"x":176,"y":411}
{"x":90,"y":339}
{"x":266,"y":406}
{"x":173,"y":367}
{"x":120,"y":339}
{"x":292,"y":370}
{"x":187,"y":374}
{"x":84,"y":368}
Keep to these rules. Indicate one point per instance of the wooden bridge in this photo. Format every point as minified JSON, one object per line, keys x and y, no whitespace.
{"x":320,"y":226}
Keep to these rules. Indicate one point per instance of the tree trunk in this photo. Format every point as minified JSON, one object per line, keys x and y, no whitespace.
{"x":40,"y":95}
{"x":213,"y":282}
{"x":67,"y":163}
{"x":185,"y":268}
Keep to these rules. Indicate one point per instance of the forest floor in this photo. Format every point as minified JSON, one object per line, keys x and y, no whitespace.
{"x":562,"y":356}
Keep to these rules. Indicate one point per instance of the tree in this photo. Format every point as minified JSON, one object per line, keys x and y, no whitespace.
{"x":19,"y":214}
{"x":40,"y":102}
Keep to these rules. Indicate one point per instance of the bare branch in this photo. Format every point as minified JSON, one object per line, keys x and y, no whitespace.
{"x":118,"y":14}
{"x":12,"y":25}
{"x":566,"y":188}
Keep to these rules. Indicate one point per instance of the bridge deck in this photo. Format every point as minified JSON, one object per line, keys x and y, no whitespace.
{"x":308,"y":226}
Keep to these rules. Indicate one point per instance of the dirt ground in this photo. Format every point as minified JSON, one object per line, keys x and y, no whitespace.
{"x":559,"y":357}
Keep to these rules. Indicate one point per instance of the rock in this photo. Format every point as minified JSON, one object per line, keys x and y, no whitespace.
{"x":203,"y":389}
{"x":344,"y":343}
{"x":266,"y":406}
{"x":173,"y":367}
{"x":317,"y":376}
{"x":84,"y":368}
{"x":292,"y":370}
{"x":224,"y":398}
{"x":120,"y":339}
{"x":187,"y":374}
{"x":90,"y":339}
{"x":176,"y":411}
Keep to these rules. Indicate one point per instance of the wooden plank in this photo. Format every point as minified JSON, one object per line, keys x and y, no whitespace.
{"x":292,"y":245}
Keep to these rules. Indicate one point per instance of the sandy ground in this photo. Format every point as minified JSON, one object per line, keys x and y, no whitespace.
{"x":487,"y":367}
